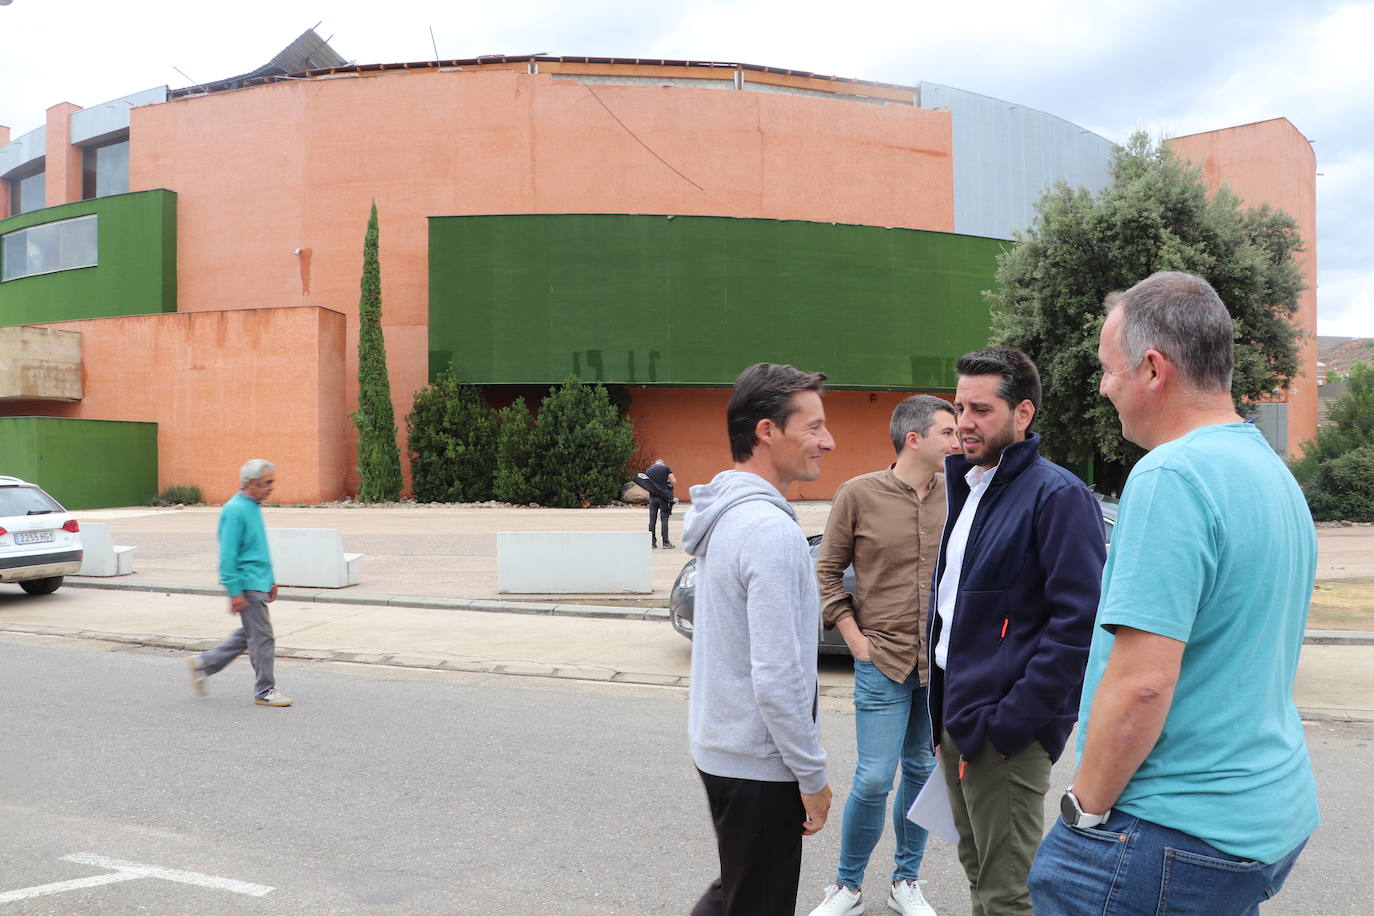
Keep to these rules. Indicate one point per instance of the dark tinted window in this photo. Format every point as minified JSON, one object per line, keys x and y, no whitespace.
{"x":26,"y":500}
{"x":27,"y":193}
{"x":105,"y":170}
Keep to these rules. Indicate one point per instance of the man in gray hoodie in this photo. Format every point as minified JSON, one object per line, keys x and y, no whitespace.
{"x":752,"y":724}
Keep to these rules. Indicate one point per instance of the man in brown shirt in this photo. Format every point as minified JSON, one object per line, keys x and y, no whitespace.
{"x":888,"y":525}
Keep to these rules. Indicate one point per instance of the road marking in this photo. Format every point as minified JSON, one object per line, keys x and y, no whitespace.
{"x":27,"y":893}
{"x":130,"y":871}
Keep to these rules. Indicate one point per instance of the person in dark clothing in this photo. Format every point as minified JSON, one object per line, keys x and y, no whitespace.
{"x":658,"y":481}
{"x":1011,"y":618}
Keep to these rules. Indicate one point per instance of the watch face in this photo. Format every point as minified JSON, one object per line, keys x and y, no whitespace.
{"x":1069,"y":810}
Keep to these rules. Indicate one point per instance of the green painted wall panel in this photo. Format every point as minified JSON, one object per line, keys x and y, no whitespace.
{"x":693,"y":300}
{"x":136,"y":274}
{"x":84,"y":464}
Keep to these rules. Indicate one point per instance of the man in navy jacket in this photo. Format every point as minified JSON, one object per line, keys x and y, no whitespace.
{"x":1011,"y":619}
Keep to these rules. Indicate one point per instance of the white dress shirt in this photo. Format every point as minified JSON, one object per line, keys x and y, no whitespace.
{"x":978,"y":480}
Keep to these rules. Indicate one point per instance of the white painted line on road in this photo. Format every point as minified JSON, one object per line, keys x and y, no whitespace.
{"x":130,"y":871}
{"x":41,"y":890}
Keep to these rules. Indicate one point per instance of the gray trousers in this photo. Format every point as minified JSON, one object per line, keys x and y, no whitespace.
{"x":256,"y":636}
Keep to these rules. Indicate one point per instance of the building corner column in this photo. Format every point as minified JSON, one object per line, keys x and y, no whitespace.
{"x":4,"y":185}
{"x":63,"y":162}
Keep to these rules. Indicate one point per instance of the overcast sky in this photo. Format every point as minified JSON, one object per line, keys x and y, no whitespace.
{"x":1172,"y":67}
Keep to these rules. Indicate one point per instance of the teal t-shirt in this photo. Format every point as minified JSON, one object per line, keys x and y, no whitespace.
{"x":1214,"y":546}
{"x":244,"y":561}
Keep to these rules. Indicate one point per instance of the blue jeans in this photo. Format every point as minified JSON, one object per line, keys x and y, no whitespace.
{"x":1131,"y":867}
{"x":893,"y":726}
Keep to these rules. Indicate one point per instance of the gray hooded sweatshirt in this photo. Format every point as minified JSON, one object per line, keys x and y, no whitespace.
{"x":756,"y":625}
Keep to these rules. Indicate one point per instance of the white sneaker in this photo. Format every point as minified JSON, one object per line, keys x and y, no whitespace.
{"x":906,"y":898}
{"x":273,"y":697}
{"x":840,"y":901}
{"x":197,"y":676}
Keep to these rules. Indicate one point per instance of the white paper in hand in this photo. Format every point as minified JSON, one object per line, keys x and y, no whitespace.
{"x":931,"y":808}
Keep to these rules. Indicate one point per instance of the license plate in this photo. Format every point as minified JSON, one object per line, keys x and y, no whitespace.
{"x":32,"y":537}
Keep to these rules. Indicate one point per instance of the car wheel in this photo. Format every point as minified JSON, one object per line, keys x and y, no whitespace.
{"x":41,"y":586}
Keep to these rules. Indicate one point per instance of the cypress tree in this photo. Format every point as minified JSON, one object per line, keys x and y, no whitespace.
{"x":379,"y":458}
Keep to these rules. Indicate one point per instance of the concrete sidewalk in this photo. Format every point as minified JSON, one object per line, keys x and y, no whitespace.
{"x":406,"y":611}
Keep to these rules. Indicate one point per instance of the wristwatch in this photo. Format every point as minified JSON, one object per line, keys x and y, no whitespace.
{"x":1073,"y":812}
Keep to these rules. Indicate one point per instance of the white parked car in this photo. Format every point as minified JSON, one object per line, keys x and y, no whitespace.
{"x":40,"y":542}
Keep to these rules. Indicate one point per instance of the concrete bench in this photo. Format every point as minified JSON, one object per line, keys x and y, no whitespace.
{"x":312,"y":558}
{"x":100,"y":555}
{"x":573,"y":562}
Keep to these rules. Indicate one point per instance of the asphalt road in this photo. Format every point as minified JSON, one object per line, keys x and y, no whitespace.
{"x":416,"y":791}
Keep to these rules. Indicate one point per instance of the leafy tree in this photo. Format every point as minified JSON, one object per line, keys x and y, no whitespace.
{"x":452,"y":437}
{"x":513,"y":453}
{"x":1156,"y":215}
{"x":379,"y":458}
{"x":578,"y":447}
{"x":1331,"y":465}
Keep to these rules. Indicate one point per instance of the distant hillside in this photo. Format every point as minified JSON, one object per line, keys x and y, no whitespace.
{"x":1340,"y":353}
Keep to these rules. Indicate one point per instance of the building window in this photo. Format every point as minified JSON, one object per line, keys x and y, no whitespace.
{"x":27,"y":192}
{"x":105,"y":169}
{"x":63,"y":245}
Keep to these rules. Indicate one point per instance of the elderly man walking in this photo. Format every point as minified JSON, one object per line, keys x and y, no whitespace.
{"x":245,"y":571}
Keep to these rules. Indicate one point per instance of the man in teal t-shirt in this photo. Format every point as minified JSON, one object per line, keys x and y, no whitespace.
{"x":245,"y":571}
{"x":1194,"y":792}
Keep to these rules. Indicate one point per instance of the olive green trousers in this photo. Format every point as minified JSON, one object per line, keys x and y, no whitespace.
{"x":999,"y":808}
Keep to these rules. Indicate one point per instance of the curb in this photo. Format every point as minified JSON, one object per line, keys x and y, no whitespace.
{"x":331,"y":596}
{"x":503,"y":606}
{"x":390,"y":659}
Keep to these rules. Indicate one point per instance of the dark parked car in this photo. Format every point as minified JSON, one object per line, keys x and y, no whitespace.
{"x":682,"y":599}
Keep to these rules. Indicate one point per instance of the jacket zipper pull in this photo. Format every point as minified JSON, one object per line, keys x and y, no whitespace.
{"x":1005,"y":622}
{"x":962,"y":762}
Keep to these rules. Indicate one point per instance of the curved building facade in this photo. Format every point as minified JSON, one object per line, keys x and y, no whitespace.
{"x":656,"y":225}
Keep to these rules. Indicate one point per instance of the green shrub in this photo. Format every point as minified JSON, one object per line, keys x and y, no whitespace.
{"x":512,"y":483}
{"x":578,"y":447}
{"x":452,"y":436}
{"x":1328,"y":469}
{"x":1342,"y":489}
{"x":178,"y":495}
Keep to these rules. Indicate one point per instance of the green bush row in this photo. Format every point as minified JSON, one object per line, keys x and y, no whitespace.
{"x":571,"y":453}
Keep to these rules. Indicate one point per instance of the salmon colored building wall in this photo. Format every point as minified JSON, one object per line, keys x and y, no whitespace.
{"x":274,"y":183}
{"x":264,"y":171}
{"x":686,"y":427}
{"x":61,"y":161}
{"x":1272,"y":162}
{"x":222,"y":387}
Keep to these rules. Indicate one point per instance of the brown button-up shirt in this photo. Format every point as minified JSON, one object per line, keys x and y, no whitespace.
{"x":892,"y":536}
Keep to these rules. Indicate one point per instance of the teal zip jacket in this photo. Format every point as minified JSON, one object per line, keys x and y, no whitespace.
{"x":244,"y":562}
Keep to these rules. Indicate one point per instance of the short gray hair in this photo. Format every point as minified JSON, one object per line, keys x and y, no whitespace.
{"x":915,"y":415}
{"x":1181,"y":316}
{"x":254,"y":468}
